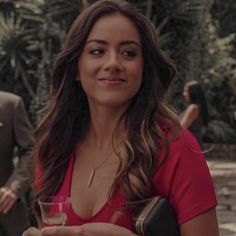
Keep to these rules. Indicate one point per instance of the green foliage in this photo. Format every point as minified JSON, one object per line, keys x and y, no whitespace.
{"x":16,"y":50}
{"x":17,"y":43}
{"x":220,"y":84}
{"x":32,"y":32}
{"x":225,"y":13}
{"x":219,"y":131}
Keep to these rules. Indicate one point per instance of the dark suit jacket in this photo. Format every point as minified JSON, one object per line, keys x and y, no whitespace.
{"x":15,"y":131}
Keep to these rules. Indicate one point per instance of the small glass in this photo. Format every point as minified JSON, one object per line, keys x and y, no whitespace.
{"x":54,"y":210}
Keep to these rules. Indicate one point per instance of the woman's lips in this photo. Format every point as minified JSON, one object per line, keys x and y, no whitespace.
{"x":112,"y":81}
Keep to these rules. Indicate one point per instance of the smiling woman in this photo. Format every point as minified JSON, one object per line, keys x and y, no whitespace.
{"x":111,"y":64}
{"x":109,"y":139}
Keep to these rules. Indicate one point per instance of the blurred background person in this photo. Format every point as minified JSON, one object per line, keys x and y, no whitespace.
{"x":195,"y":116}
{"x":15,"y":132}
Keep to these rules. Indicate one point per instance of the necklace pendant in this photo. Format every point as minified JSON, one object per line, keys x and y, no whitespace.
{"x":91,"y":177}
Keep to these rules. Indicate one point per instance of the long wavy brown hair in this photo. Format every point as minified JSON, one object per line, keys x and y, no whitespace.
{"x":67,"y":117}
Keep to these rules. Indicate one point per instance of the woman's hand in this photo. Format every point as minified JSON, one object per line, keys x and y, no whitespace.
{"x":32,"y":232}
{"x":91,"y":229}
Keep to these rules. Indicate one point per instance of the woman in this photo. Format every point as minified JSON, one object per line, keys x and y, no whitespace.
{"x":195,"y":117}
{"x":109,"y":138}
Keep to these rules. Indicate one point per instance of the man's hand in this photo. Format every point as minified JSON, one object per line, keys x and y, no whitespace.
{"x":7,"y":199}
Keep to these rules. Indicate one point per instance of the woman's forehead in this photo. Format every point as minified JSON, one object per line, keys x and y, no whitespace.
{"x":114,"y":26}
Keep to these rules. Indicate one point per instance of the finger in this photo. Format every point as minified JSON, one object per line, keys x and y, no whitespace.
{"x":105,"y":229}
{"x":9,"y":206}
{"x":62,"y":231}
{"x":32,"y":232}
{"x":3,"y":201}
{"x":2,"y":195}
{"x":1,"y":192}
{"x":8,"y":201}
{"x":4,"y":205}
{"x":7,"y":193}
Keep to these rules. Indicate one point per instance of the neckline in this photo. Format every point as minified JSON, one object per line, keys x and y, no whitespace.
{"x":88,"y":218}
{"x":74,"y":213}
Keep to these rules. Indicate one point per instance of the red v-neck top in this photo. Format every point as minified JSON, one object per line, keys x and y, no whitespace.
{"x":106,"y":212}
{"x":183,"y":178}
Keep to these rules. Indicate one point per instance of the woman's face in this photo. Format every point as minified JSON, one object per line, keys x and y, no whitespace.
{"x":111,"y":64}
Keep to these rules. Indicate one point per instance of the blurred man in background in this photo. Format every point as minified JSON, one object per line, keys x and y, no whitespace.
{"x":16,"y":133}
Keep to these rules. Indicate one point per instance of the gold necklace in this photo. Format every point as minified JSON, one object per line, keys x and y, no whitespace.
{"x":94,"y":169}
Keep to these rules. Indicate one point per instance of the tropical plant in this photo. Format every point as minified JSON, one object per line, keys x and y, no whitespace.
{"x":16,"y":47}
{"x":220,"y":83}
{"x":31,"y":32}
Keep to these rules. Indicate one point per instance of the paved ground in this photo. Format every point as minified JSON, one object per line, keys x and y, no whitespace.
{"x":224,"y":177}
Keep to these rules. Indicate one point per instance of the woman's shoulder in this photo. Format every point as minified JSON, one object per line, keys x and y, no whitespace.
{"x":183,"y":176}
{"x":182,"y":147}
{"x":177,"y":137}
{"x":185,"y":135}
{"x":181,"y":162}
{"x":184,"y":141}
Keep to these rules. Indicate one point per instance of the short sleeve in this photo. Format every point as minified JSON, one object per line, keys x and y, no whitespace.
{"x":185,"y":179}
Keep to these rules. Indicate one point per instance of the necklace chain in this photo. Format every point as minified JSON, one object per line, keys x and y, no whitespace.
{"x":94,"y":169}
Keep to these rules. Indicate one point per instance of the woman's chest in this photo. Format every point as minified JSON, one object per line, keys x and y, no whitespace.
{"x":90,"y":187}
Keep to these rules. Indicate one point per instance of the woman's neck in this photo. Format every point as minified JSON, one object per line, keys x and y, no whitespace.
{"x":103,"y":123}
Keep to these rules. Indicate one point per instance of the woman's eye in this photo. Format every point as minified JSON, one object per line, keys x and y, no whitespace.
{"x":96,"y":51}
{"x":130,"y":53}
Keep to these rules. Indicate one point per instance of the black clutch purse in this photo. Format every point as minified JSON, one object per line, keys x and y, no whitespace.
{"x":156,"y":218}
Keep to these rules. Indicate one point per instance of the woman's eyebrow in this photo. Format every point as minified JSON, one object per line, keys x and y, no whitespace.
{"x":130,"y":42}
{"x":121,"y":43}
{"x":96,"y":41}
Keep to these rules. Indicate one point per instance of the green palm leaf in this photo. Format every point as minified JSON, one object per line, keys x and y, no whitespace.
{"x":16,"y":48}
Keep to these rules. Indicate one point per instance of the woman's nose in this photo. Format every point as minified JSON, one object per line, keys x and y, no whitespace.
{"x":112,"y":62}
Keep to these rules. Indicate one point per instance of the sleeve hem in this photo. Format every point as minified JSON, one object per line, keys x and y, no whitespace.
{"x":190,"y":215}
